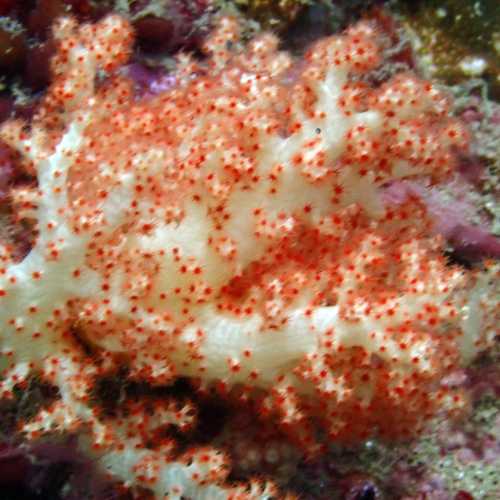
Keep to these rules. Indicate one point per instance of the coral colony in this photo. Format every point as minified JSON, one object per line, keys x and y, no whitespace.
{"x":231,"y":231}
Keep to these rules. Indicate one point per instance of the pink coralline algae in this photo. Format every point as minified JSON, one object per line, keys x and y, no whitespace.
{"x":149,"y":81}
{"x":452,"y":211}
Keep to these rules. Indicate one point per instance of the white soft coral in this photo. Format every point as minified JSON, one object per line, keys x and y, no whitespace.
{"x":232,"y":230}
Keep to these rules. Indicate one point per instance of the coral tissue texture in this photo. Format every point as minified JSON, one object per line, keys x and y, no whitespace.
{"x":232,"y":231}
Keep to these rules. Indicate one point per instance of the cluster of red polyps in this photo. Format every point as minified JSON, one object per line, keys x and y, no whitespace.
{"x":231,"y":231}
